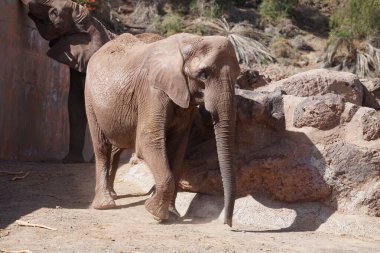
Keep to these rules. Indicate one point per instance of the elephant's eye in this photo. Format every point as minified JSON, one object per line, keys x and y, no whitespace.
{"x":203,"y":75}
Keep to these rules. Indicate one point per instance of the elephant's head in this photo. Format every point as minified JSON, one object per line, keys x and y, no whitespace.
{"x":74,"y":36}
{"x":56,"y":18}
{"x":194,"y":70}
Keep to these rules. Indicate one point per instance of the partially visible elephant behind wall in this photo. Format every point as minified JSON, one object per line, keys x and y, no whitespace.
{"x":33,"y":111}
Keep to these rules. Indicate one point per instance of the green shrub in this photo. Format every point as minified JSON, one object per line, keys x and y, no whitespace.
{"x":211,"y":8}
{"x":356,"y":19}
{"x":352,"y":24}
{"x":273,"y":10}
{"x":199,"y":29}
{"x":171,"y":23}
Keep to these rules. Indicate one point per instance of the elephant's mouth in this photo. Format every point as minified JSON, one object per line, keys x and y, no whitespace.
{"x":53,"y":42}
{"x":198,"y":98}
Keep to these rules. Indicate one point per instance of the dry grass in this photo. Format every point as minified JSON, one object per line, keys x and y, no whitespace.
{"x":361,"y":58}
{"x":248,"y":50}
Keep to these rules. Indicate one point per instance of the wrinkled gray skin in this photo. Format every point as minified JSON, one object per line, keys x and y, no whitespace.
{"x":74,"y":37}
{"x":142,"y":96}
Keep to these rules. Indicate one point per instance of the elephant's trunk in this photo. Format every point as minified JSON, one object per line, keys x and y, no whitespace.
{"x":224,"y":125}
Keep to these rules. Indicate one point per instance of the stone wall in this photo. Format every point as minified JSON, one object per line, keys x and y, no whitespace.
{"x":33,"y":91}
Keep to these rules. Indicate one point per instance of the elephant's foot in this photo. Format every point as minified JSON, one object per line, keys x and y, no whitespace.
{"x":73,"y":158}
{"x":158,"y":208}
{"x":113,"y":194}
{"x":103,"y":201}
{"x":173,"y":212}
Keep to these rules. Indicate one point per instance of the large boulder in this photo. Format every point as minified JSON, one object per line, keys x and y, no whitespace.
{"x":322,"y":112}
{"x":330,"y":158}
{"x":321,"y":82}
{"x":372,"y":92}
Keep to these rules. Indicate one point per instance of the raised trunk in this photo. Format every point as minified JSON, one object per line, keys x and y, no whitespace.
{"x":224,"y":126}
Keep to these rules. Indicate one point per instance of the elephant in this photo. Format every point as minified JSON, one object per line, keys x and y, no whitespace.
{"x":142,"y":96}
{"x":74,"y":36}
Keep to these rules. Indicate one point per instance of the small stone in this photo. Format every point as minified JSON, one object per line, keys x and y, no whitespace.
{"x":371,"y":125}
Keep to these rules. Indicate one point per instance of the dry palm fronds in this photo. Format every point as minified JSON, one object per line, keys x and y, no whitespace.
{"x":368,"y":62}
{"x":248,"y":50}
{"x":362,"y":58}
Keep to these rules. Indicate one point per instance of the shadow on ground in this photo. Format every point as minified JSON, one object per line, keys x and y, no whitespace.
{"x":48,"y":185}
{"x":260,"y":211}
{"x":71,"y":186}
{"x":309,"y":216}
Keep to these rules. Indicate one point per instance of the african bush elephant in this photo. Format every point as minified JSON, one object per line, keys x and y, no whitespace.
{"x":143,"y":96}
{"x":74,"y":37}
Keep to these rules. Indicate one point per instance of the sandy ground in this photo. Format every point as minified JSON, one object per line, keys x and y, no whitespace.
{"x":59,"y":196}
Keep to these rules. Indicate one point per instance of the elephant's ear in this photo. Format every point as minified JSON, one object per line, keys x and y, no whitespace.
{"x":74,"y":50}
{"x":166,"y":71}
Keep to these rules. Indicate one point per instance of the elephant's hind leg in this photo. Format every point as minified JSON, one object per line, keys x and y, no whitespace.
{"x":103,"y":196}
{"x":102,"y":150}
{"x":115,"y":158}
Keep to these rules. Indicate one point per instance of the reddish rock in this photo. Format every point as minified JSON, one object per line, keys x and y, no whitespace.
{"x":263,"y":163}
{"x":322,"y":112}
{"x":371,"y":125}
{"x":250,"y":79}
{"x":329,"y":162}
{"x":371,"y":92}
{"x":321,"y":82}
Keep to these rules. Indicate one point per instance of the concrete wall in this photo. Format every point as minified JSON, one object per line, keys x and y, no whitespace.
{"x":33,"y":91}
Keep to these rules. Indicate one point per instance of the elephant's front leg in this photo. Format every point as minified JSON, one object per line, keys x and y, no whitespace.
{"x":154,"y":154}
{"x":177,"y":143}
{"x":77,"y":117}
{"x":152,"y":148}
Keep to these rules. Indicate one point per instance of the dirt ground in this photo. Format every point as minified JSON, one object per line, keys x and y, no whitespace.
{"x":60,"y":195}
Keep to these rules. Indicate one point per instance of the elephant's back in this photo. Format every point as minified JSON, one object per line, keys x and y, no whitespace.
{"x":114,"y":52}
{"x":110,"y":85}
{"x":111,"y":69}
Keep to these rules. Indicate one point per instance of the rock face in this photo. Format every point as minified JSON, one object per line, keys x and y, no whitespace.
{"x":264,"y":152}
{"x":321,"y":82}
{"x":250,"y":79}
{"x":372,"y":93}
{"x":371,"y":125}
{"x":322,"y":112}
{"x":317,"y":143}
